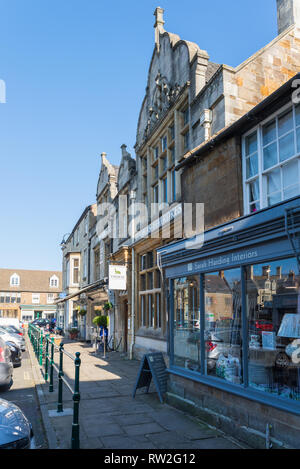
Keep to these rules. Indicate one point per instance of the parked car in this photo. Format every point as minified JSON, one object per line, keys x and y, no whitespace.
{"x":13,"y":330}
{"x":40,"y":322}
{"x":15,"y":338}
{"x":10,"y":322}
{"x":6,"y":366}
{"x":15,"y":429}
{"x":16,"y":354}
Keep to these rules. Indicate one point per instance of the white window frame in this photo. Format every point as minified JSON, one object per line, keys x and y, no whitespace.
{"x":72,"y":271}
{"x":50,"y":298}
{"x":54,"y":279}
{"x":37,"y":300}
{"x":15,"y":280}
{"x":261,"y":176}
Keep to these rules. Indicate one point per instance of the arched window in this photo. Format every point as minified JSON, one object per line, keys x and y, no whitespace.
{"x":15,"y":280}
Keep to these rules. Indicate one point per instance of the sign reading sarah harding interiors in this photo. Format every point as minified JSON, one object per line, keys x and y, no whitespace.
{"x":224,"y":261}
{"x":117,"y":277}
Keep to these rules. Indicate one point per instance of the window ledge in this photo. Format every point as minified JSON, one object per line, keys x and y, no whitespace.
{"x":292,"y":407}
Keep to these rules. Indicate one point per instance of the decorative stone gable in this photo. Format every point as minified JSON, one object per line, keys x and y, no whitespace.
{"x":108,"y":176}
{"x":127,"y":168}
{"x":175,"y":63}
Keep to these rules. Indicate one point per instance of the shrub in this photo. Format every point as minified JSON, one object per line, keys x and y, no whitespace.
{"x":100,"y":321}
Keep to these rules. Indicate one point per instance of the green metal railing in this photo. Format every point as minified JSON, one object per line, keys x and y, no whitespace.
{"x":44,"y":348}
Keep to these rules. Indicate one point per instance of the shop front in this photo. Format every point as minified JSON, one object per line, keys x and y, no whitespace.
{"x":234,"y":325}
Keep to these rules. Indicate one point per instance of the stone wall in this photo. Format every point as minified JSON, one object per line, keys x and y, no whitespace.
{"x":262,"y":74}
{"x":216,"y":180}
{"x":243,"y":418}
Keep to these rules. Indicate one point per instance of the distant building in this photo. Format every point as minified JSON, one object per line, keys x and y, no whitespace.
{"x":28,"y":294}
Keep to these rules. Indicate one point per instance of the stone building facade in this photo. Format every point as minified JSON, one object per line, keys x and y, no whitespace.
{"x":243,"y":284}
{"x":76,"y":251}
{"x":29,"y":294}
{"x":189,"y":100}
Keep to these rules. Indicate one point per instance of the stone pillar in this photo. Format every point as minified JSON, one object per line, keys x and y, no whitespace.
{"x":199,"y":67}
{"x":288,"y":13}
{"x":159,"y":25}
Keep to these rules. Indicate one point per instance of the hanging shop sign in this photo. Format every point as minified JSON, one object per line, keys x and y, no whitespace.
{"x":117,"y":277}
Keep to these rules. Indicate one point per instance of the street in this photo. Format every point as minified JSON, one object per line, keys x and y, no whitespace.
{"x":23,"y":394}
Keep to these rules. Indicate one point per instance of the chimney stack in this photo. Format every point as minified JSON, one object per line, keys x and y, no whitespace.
{"x":266,"y":271}
{"x":159,"y":24}
{"x":288,"y":13}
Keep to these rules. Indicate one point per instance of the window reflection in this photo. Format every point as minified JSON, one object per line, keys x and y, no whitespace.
{"x":273,"y":308}
{"x":187,"y":323}
{"x":223,"y":323}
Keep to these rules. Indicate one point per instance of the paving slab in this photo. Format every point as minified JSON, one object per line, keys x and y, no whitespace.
{"x":144,"y":429}
{"x":125,"y":442}
{"x":133,"y":419}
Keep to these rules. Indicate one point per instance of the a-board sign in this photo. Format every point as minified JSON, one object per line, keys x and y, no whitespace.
{"x":152,"y":366}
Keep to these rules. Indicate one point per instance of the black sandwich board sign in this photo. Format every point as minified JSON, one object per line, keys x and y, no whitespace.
{"x":152,"y":366}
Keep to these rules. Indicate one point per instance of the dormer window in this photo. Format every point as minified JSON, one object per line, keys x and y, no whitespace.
{"x":15,"y":280}
{"x":54,"y":281}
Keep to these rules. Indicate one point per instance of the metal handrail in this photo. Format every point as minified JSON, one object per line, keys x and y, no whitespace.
{"x":44,"y":348}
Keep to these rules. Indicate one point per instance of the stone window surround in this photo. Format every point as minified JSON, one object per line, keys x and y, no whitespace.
{"x":144,"y":294}
{"x":155,"y":142}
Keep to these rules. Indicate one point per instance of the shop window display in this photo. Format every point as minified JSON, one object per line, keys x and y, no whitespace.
{"x":273,"y":309}
{"x":187,"y":323}
{"x":223,"y":325}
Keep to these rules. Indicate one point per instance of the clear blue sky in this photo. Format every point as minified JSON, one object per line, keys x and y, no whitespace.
{"x":76,"y":73}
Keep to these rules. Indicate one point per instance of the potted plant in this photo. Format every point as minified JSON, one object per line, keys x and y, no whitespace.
{"x":100,"y":321}
{"x":108,"y":306}
{"x":82,"y":312}
{"x":73,"y":332}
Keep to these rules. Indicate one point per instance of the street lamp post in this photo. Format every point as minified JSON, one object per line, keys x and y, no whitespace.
{"x":132,"y":198}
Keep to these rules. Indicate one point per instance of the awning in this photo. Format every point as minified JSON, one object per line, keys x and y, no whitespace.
{"x":89,"y":288}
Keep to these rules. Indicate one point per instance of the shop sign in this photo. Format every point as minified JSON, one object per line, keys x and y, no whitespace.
{"x":117,"y":277}
{"x":224,"y":261}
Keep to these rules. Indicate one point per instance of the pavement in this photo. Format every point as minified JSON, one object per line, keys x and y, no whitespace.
{"x":109,"y":417}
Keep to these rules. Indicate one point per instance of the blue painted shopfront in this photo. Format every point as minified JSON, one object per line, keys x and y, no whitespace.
{"x":234,"y":307}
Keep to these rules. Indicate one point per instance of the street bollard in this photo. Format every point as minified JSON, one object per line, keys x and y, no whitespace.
{"x":51,"y":365}
{"x":47,"y":357}
{"x":60,"y":380}
{"x":76,"y":399}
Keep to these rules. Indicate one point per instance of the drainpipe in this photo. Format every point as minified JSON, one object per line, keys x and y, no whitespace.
{"x":132,"y":198}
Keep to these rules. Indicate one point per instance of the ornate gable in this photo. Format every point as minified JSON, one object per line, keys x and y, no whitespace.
{"x":127,"y":168}
{"x":108,"y":174}
{"x":174,"y":64}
